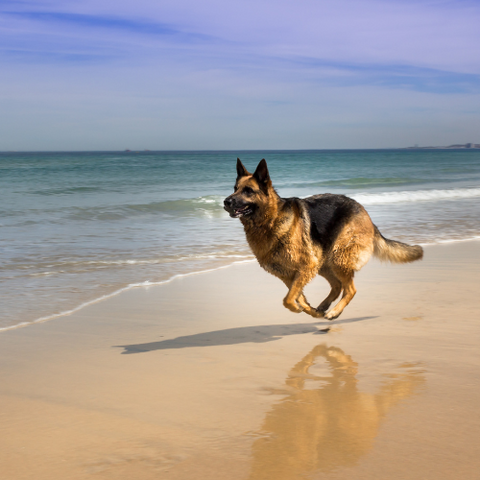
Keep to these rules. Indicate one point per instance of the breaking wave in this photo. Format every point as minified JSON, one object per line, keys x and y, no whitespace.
{"x":416,"y":196}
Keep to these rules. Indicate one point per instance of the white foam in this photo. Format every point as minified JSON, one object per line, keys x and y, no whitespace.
{"x":217,"y":199}
{"x":415,"y":196}
{"x":451,"y":240}
{"x":152,"y":261}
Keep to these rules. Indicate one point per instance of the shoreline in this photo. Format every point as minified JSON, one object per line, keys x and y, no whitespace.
{"x":131,"y":286}
{"x":210,"y":377}
{"x":147,"y":283}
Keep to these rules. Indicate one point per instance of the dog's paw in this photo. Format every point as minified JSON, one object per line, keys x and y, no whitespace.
{"x":293,"y":307}
{"x":332,"y":315}
{"x":315,"y":313}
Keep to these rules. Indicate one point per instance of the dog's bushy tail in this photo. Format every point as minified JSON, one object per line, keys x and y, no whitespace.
{"x":392,"y":251}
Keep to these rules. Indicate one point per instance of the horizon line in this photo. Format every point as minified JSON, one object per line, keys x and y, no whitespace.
{"x":126,"y":151}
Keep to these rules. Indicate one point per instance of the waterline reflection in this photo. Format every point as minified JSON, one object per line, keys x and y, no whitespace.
{"x":324,"y":421}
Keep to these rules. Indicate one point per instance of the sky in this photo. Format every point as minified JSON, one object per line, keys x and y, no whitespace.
{"x":238,"y":74}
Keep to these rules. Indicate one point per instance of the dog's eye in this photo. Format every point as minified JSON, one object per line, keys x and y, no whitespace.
{"x":247,"y":191}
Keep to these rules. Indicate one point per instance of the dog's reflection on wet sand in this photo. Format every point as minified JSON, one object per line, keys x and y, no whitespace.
{"x":325,"y":421}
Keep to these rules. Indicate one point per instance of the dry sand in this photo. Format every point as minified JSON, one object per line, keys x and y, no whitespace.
{"x":209,"y":377}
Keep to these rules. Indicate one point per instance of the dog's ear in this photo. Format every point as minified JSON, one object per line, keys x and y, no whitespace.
{"x":241,"y":170}
{"x":261,"y":174}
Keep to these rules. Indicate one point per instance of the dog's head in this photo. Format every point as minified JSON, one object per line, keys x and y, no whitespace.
{"x":252,"y":192}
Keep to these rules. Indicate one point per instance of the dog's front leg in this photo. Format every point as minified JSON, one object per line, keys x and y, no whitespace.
{"x":295,"y":300}
{"x":295,"y":287}
{"x":307,"y":308}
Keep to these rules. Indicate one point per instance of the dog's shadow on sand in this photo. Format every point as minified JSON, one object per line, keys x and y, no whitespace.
{"x":234,"y":336}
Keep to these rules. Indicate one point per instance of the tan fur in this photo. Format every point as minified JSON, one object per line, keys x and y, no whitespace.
{"x":393,"y":251}
{"x":279,"y":234}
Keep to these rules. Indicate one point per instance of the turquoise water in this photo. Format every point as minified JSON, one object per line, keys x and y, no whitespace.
{"x":77,"y":226}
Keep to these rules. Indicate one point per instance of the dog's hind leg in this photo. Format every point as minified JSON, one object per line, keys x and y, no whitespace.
{"x":349,"y":292}
{"x":336,"y":289}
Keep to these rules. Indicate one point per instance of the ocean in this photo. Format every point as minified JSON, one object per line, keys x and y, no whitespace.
{"x":77,"y":227}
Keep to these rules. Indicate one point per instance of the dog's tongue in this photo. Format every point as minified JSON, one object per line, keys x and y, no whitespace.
{"x":240,"y":212}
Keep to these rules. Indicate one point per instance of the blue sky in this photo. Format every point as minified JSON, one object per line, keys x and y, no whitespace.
{"x":88,"y":75}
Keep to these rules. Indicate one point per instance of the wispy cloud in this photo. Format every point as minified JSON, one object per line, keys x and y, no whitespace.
{"x":241,"y":60}
{"x":53,"y":57}
{"x":108,"y":22}
{"x":390,"y":75}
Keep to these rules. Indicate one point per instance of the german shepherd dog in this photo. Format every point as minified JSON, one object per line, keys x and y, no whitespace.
{"x":296,"y":239}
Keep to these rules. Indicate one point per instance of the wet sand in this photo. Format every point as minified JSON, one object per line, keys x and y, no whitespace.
{"x":209,"y":377}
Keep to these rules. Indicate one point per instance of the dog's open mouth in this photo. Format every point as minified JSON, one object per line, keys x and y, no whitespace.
{"x":241,"y":212}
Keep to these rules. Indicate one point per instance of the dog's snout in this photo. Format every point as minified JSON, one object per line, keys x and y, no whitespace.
{"x":228,"y":202}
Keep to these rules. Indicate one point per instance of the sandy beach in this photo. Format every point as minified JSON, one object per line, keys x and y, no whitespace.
{"x":210,"y":377}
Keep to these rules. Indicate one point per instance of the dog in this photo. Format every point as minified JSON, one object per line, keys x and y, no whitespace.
{"x":296,"y":239}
